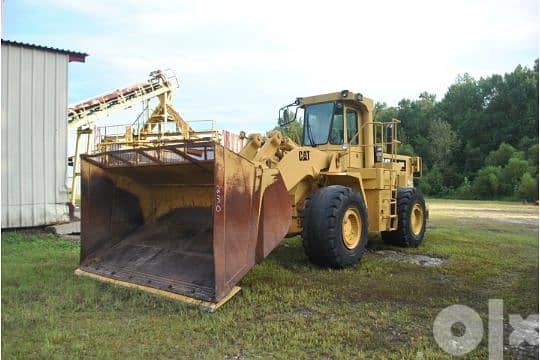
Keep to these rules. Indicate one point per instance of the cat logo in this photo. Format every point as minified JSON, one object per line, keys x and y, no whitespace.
{"x":303,"y":155}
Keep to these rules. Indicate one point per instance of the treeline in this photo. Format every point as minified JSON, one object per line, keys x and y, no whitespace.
{"x":480,"y":141}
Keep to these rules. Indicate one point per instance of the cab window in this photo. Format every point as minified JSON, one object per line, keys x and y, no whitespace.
{"x":352,"y":127}
{"x":317,"y":122}
{"x":337,"y":131}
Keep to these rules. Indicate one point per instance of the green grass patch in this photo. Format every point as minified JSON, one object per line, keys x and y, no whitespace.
{"x":287,"y":307}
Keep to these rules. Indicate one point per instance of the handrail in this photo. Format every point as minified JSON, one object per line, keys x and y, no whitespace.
{"x":380,"y":125}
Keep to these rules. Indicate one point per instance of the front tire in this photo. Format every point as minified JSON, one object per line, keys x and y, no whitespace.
{"x":335,"y":227}
{"x":412,"y":216}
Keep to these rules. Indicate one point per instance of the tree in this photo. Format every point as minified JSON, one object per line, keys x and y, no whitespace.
{"x":405,"y":149}
{"x":470,"y":159}
{"x":383,"y":113}
{"x":442,"y":141}
{"x":465,"y":190}
{"x":532,"y":158}
{"x":500,"y":156}
{"x":487,"y":184}
{"x":490,"y":111}
{"x":415,"y":117}
{"x":476,"y":139}
{"x":293,"y":131}
{"x":431,"y":182}
{"x":528,"y":188}
{"x":463,"y":103}
{"x":511,"y":175}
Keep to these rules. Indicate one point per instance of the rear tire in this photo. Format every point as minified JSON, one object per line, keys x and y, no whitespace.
{"x":335,"y":227}
{"x":411,"y":219}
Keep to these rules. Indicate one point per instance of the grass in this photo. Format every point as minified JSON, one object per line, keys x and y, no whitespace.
{"x":287,"y":308}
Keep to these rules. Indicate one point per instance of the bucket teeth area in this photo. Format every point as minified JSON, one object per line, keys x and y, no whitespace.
{"x":174,"y":253}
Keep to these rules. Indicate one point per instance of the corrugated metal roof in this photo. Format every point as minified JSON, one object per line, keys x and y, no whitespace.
{"x":73,"y":55}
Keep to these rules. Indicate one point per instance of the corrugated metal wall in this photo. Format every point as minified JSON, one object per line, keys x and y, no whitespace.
{"x":34,"y":137}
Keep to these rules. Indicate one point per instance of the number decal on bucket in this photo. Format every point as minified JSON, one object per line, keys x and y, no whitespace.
{"x":219,"y":198}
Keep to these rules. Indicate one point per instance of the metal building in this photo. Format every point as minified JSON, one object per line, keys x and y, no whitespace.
{"x":34,"y":133}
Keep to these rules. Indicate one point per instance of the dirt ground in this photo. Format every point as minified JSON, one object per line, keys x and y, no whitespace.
{"x":503,"y":212}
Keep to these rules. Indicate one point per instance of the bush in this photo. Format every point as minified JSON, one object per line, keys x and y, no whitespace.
{"x":465,"y":190}
{"x":487,"y":182}
{"x":528,"y":188}
{"x":405,"y":149}
{"x":511,"y":175}
{"x":431,"y":182}
{"x":532,"y":157}
{"x":500,"y":156}
{"x":527,"y":142}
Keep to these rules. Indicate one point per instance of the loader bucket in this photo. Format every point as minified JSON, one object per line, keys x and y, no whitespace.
{"x":188,"y":219}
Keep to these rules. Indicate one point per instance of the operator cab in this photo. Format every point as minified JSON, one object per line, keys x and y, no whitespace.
{"x":330,"y":119}
{"x":330,"y":123}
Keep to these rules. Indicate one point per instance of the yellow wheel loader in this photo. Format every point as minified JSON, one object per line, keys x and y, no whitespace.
{"x":189,"y":218}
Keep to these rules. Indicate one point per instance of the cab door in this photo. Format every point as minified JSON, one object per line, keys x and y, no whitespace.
{"x":353,"y":138}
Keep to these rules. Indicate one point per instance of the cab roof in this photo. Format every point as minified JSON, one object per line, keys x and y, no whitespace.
{"x":336,"y":96}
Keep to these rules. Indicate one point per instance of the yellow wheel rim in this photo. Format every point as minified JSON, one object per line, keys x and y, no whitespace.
{"x":351,"y":228}
{"x":417,"y":219}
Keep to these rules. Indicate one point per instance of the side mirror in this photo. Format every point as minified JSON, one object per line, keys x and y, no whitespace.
{"x":286,"y":116}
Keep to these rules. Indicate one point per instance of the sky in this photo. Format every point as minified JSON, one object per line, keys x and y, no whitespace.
{"x":239,"y":61}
